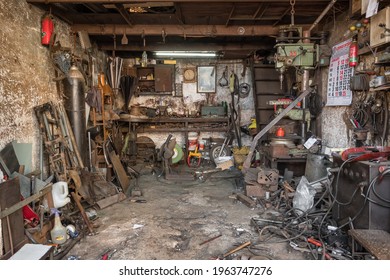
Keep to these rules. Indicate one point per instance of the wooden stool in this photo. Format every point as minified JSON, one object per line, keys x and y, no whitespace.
{"x":376,"y":242}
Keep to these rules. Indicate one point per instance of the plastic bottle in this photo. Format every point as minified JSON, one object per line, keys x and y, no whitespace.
{"x":58,"y":233}
{"x":144,"y":60}
{"x":60,"y":193}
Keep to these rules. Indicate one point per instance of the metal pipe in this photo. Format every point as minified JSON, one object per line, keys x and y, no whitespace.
{"x":330,"y":5}
{"x":90,"y":151}
{"x":305,"y":86}
{"x":247,"y":162}
{"x":41,"y":157}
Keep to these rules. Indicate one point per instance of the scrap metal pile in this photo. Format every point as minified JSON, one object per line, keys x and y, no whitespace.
{"x":295,"y":211}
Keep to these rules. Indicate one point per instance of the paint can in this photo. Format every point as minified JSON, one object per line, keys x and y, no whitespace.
{"x":192,"y":141}
{"x":201,"y":145}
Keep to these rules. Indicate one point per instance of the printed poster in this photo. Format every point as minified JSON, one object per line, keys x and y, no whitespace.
{"x":338,"y":92}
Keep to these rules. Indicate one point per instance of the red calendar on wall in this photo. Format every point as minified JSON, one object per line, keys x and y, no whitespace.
{"x":339,"y":76}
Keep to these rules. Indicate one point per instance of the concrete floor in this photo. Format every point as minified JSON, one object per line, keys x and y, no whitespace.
{"x":173,"y":222}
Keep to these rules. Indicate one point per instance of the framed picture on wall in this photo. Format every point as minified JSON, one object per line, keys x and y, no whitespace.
{"x":206,"y":79}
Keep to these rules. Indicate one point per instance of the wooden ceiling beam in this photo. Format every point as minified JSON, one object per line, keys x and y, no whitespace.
{"x":185,"y":47}
{"x":176,"y":30}
{"x":178,"y":1}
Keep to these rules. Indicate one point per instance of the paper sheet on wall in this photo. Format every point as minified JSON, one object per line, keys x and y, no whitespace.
{"x":339,"y":76}
{"x":372,"y":8}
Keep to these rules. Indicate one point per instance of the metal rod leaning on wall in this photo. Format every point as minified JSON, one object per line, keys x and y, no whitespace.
{"x":247,"y":162}
{"x":71,"y":136}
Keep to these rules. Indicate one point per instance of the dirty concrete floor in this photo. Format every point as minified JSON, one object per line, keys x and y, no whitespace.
{"x":175,"y":219}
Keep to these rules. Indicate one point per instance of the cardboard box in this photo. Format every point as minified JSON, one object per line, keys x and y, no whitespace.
{"x":224,"y":162}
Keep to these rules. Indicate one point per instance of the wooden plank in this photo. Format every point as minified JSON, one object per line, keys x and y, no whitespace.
{"x":119,"y":171}
{"x":10,"y":195}
{"x":19,"y":205}
{"x":108,"y":201}
{"x":376,"y":242}
{"x":246,"y":200}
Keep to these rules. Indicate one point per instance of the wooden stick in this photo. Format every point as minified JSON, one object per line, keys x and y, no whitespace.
{"x":242,"y":246}
{"x":81,"y":208}
{"x":211,"y":239}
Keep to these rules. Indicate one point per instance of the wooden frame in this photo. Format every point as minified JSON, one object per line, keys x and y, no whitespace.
{"x":206,"y":79}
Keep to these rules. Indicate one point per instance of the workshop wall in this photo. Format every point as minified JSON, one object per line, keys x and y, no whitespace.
{"x":26,"y":71}
{"x":26,"y":75}
{"x":335,"y":133}
{"x":192,"y":101}
{"x":337,"y":130}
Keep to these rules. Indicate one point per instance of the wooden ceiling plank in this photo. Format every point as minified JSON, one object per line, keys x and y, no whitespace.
{"x":230,"y":15}
{"x":124,"y":13}
{"x":96,"y":8}
{"x":258,"y":10}
{"x":179,"y":14}
{"x":281,"y":17}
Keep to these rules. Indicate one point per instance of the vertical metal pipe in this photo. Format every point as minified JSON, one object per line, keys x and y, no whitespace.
{"x":41,"y":157}
{"x":305,"y":86}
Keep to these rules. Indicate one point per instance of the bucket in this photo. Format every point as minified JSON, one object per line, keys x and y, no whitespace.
{"x":192,"y":141}
{"x":316,"y":167}
{"x":201,"y":145}
{"x":60,"y":193}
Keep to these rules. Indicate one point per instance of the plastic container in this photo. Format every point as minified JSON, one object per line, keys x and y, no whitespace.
{"x":201,"y":145}
{"x":192,"y":141}
{"x":144,"y":60}
{"x":58,"y":233}
{"x":60,"y":194}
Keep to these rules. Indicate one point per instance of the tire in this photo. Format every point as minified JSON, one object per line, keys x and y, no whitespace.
{"x":216,"y":150}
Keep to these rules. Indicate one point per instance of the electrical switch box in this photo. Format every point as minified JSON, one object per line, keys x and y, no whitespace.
{"x":380,"y":28}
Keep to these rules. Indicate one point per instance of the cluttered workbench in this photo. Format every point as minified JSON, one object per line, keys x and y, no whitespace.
{"x":176,"y":124}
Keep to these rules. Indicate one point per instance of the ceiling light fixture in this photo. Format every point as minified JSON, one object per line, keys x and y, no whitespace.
{"x":185,"y":54}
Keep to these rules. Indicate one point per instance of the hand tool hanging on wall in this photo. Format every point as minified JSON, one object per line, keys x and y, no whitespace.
{"x":223,"y":82}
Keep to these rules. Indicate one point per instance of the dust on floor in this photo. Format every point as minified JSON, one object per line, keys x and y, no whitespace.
{"x":175,"y":220}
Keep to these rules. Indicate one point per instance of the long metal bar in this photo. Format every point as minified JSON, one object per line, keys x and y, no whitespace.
{"x":324,"y":12}
{"x":247,"y":162}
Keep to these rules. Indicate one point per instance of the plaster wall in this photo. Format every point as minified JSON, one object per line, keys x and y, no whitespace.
{"x":26,"y":72}
{"x":192,"y":100}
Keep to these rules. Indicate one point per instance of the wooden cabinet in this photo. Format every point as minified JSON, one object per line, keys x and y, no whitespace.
{"x":155,"y":79}
{"x":266,"y":88}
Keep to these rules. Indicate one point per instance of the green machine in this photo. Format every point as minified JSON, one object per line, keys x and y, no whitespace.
{"x":292,"y":51}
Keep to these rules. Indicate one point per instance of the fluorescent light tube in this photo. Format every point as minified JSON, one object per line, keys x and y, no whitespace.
{"x":185,"y":54}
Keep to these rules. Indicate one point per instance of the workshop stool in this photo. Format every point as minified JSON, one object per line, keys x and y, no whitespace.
{"x":34,"y":252}
{"x":376,"y":242}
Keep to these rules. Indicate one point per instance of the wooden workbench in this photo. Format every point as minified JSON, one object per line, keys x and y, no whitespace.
{"x":176,"y":124}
